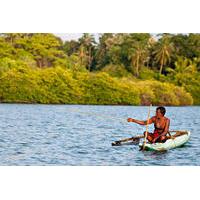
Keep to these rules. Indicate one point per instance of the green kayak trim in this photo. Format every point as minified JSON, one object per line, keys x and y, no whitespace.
{"x":178,"y":140}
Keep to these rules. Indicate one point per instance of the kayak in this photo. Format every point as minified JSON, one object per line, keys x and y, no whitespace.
{"x":176,"y":140}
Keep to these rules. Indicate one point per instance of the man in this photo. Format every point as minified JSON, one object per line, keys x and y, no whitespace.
{"x":161,"y":125}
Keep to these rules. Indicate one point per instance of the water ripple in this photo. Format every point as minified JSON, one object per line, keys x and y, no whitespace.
{"x":82,"y":135}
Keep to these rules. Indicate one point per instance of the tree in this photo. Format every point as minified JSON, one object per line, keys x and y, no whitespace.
{"x":71,"y":47}
{"x":194,"y":44}
{"x":46,"y":49}
{"x":136,"y":55}
{"x":101,"y":56}
{"x":87,"y":46}
{"x":109,"y":49}
{"x":163,"y":51}
{"x":184,"y":70}
{"x":136,"y":48}
{"x":181,"y":45}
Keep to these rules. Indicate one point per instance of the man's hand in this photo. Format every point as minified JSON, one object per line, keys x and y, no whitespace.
{"x":130,"y":120}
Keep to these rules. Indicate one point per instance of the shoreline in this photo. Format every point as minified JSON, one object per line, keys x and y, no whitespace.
{"x":29,"y":103}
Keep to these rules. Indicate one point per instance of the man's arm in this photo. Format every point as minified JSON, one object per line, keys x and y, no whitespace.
{"x":151,"y":120}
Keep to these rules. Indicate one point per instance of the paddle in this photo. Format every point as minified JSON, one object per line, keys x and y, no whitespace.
{"x":145,"y":137}
{"x":137,"y":137}
{"x":120,"y":142}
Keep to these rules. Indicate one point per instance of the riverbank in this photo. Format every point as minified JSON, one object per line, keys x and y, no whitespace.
{"x":64,"y":86}
{"x":123,"y":69}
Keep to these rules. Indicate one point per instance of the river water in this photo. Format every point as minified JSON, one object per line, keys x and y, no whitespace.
{"x":82,"y":135}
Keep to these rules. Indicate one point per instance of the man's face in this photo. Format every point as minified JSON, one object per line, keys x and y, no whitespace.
{"x":158,"y":113}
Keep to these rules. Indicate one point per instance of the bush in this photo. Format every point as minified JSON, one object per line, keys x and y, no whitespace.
{"x":116,"y":70}
{"x":146,"y":73}
{"x":159,"y":93}
{"x":102,"y":89}
{"x":194,"y":90}
{"x":59,"y":85}
{"x":18,"y":85}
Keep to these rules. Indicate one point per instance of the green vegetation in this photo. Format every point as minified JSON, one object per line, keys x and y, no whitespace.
{"x":121,"y":69}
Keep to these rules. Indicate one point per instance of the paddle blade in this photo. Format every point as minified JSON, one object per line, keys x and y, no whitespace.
{"x":116,"y":143}
{"x":129,"y":142}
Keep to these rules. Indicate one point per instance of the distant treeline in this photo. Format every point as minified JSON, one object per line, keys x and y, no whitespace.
{"x":121,"y":69}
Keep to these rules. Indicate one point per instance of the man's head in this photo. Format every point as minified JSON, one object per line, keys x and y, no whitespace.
{"x":160,"y":111}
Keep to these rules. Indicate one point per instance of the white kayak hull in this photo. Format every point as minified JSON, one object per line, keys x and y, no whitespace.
{"x":169,"y":144}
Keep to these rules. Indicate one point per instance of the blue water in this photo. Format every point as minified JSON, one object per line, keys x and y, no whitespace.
{"x":82,"y":135}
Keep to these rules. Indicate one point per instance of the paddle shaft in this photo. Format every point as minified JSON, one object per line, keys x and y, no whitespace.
{"x":145,"y":138}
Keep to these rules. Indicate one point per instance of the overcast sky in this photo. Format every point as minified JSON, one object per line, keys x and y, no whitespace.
{"x":74,"y":36}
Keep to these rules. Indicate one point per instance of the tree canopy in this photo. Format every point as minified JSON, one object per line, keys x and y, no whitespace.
{"x":121,"y":68}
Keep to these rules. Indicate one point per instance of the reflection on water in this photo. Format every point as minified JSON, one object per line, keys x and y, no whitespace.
{"x":82,"y":135}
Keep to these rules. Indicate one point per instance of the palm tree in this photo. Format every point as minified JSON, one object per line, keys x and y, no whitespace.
{"x":137,"y":55}
{"x":183,"y":68}
{"x":87,"y":44}
{"x":82,"y":54}
{"x":163,"y":51}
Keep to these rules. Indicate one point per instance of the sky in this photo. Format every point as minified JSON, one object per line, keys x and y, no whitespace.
{"x":74,"y":36}
{"x":69,"y":36}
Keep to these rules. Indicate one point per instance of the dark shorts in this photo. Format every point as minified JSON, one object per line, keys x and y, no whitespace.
{"x":153,"y":135}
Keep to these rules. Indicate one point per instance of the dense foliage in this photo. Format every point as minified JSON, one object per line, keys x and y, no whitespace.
{"x":120,"y":69}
